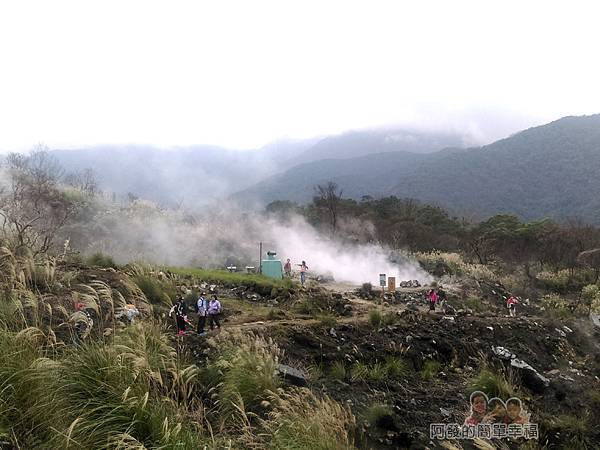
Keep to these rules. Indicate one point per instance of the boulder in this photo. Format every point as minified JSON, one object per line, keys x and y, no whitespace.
{"x":294,"y":376}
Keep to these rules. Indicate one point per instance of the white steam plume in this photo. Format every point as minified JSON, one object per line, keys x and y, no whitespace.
{"x":354,"y":263}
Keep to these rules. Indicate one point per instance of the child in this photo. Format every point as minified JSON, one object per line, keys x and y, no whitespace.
{"x":287,"y":268}
{"x":303,"y":270}
{"x":479,"y":403}
{"x":497,"y":411}
{"x":513,"y":411}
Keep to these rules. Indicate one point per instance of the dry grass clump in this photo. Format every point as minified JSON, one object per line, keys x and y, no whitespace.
{"x":243,"y":375}
{"x":456,"y":264}
{"x":301,"y":420}
{"x":495,"y":383}
{"x":100,"y":395}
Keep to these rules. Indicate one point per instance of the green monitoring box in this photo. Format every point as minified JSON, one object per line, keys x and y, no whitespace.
{"x":272,"y":267}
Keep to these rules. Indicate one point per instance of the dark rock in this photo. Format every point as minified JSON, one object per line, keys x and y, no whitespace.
{"x":294,"y":376}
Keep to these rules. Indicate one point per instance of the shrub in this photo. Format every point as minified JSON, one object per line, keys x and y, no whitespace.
{"x":393,"y":369}
{"x":327,"y":320}
{"x":495,"y":384}
{"x":590,"y":295}
{"x":556,"y":306}
{"x":338,"y":371}
{"x":375,"y":318}
{"x":96,"y":395}
{"x":396,"y":368}
{"x":430,"y":369}
{"x":272,"y":314}
{"x":573,"y":431}
{"x":247,"y":367}
{"x":554,"y":281}
{"x":101,"y":260}
{"x":377,"y":414}
{"x":302,"y":421}
{"x":475,"y":304}
{"x":157,"y":292}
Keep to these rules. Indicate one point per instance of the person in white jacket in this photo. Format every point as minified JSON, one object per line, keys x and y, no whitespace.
{"x":202,"y":308}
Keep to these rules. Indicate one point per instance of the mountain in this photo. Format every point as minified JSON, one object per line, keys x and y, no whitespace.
{"x":191,"y":176}
{"x":354,"y":144}
{"x":547,"y":171}
{"x":197,"y":175}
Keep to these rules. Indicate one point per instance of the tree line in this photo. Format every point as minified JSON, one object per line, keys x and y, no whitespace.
{"x":404,"y":223}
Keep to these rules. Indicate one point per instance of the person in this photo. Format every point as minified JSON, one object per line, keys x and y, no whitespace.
{"x":83,"y":323}
{"x":511,"y":304}
{"x":287,"y":268}
{"x":442,"y":299}
{"x":513,"y":411}
{"x":179,"y":309}
{"x":303,"y":270}
{"x":433,"y":298}
{"x":202,"y":308}
{"x":497,"y":411}
{"x":130,"y":312}
{"x":479,"y":402}
{"x":214,"y":310}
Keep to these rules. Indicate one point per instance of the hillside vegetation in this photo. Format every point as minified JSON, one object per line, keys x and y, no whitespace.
{"x":547,"y":171}
{"x":321,"y":366}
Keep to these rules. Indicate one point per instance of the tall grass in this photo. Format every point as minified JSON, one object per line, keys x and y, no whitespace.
{"x":302,"y":421}
{"x":495,"y":383}
{"x":244,"y":373}
{"x":95,"y":395}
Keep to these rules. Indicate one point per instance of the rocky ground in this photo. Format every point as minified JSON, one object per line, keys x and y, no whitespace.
{"x":556,"y":372}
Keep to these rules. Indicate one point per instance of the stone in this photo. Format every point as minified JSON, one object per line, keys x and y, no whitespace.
{"x":530,"y":377}
{"x":294,"y":376}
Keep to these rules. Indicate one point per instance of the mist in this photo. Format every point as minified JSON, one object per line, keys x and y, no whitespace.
{"x":224,"y":235}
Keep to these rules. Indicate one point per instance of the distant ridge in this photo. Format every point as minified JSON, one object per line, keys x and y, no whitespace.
{"x":546,"y":171}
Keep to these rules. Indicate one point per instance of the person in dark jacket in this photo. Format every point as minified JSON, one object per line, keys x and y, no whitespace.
{"x":179,"y":310}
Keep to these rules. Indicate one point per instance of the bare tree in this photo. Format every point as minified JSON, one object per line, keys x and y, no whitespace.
{"x":32,"y":207}
{"x":86,"y":182}
{"x":329,"y":197}
{"x":591,"y":259}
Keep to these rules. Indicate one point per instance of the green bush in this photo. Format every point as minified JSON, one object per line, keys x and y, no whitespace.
{"x":327,"y":320}
{"x":375,"y":318}
{"x":392,"y":369}
{"x":376,"y":413}
{"x":495,"y":384}
{"x":556,"y":306}
{"x":430,"y":369}
{"x":101,"y":260}
{"x":338,"y":371}
{"x":475,"y":304}
{"x":574,"y":432}
{"x":396,"y":368}
{"x":157,"y":292}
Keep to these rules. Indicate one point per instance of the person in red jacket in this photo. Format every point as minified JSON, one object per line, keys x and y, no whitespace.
{"x":511,"y":304}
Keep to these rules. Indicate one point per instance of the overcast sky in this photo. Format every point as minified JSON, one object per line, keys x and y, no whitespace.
{"x":244,"y":73}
